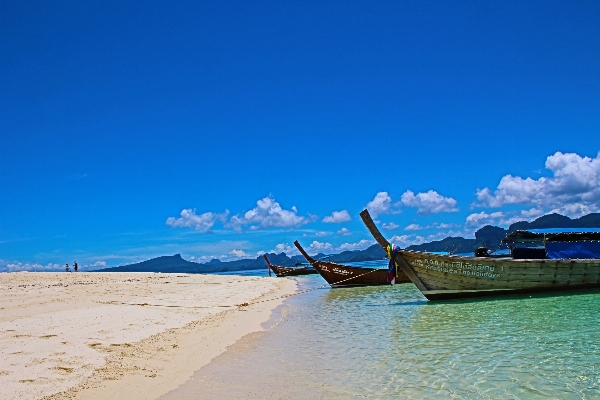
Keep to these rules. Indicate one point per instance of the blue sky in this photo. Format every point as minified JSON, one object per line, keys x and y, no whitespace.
{"x":223,"y":129}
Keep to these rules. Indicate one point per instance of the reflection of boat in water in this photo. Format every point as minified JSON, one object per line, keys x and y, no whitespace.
{"x":289,"y":271}
{"x":338,"y":275}
{"x":568,"y":260}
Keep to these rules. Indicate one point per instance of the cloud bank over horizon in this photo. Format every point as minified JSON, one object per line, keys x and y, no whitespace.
{"x":572,"y":189}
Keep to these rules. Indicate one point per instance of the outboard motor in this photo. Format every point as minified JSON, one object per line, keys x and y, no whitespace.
{"x":482,"y":252}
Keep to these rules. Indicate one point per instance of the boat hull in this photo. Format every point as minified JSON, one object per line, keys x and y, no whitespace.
{"x":288,"y":271}
{"x":338,"y":275}
{"x":443,"y":277}
{"x":447,"y":277}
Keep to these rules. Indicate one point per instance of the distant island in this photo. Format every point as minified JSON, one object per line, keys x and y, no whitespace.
{"x":488,"y":236}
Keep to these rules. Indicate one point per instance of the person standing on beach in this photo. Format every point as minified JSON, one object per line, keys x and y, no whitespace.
{"x":75,"y":266}
{"x":67,"y":269}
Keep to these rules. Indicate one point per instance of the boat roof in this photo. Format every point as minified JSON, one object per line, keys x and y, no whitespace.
{"x":552,"y":234}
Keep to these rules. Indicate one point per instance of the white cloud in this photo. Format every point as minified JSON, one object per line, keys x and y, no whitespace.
{"x":96,"y":265}
{"x":443,"y":235}
{"x":337,"y":217}
{"x":406,"y":240}
{"x":445,"y":226}
{"x":344,"y":232}
{"x":390,"y":226}
{"x":33,"y":267}
{"x":381,"y":204}
{"x":435,"y":225}
{"x":322,"y":233}
{"x":285,"y":248}
{"x":363,"y":244}
{"x":500,"y":218}
{"x":414,"y":227}
{"x":203,"y":222}
{"x":268,"y":214}
{"x":317,"y":247}
{"x":576,"y":210}
{"x":576,"y":180}
{"x":201,"y":259}
{"x":430,"y":202}
{"x":239,"y":253}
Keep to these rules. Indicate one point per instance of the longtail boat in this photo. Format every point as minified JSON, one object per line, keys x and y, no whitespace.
{"x":289,"y":271}
{"x":338,"y":275}
{"x":568,"y":261}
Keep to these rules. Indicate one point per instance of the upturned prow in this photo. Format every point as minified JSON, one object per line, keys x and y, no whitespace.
{"x":304,"y":253}
{"x":366,"y":217}
{"x":266,"y":259}
{"x":368,"y":221}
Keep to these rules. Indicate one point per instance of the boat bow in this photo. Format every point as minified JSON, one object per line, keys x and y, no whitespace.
{"x":368,"y":221}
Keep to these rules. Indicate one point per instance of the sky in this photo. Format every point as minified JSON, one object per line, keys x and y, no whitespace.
{"x":131,"y":130}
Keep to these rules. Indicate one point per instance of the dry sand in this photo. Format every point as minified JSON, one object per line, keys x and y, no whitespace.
{"x":121,"y":335}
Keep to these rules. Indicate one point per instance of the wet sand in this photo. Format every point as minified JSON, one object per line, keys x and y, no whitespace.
{"x":122,"y":335}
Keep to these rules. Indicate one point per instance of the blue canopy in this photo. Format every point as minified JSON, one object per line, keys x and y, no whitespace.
{"x":541,"y":236}
{"x":573,"y":250}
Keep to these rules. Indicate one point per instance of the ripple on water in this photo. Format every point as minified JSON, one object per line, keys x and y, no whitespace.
{"x":389,"y":341}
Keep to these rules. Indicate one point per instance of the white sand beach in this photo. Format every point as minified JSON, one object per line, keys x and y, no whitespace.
{"x":121,"y":335}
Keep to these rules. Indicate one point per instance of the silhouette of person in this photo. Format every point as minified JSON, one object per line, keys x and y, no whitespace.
{"x":75,"y":266}
{"x":67,"y":269}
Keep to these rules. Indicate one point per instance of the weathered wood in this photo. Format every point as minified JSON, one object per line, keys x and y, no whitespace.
{"x":446,"y":276}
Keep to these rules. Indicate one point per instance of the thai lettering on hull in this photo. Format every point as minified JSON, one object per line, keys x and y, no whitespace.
{"x":458,"y":268}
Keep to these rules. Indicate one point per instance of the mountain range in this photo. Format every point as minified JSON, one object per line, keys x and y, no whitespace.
{"x":488,"y":236}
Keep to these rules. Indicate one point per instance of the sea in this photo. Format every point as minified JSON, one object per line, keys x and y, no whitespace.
{"x":390,"y":342}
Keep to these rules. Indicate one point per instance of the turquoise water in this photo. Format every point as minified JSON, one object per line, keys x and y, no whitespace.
{"x":390,"y":342}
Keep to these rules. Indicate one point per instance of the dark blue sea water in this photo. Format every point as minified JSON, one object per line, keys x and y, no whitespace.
{"x":383,"y":342}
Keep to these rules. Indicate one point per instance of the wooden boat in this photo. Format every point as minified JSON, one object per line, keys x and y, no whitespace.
{"x":338,"y":275}
{"x":289,"y":271}
{"x":441,"y":277}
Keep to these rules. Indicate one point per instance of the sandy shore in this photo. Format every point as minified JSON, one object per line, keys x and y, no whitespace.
{"x":121,"y":335}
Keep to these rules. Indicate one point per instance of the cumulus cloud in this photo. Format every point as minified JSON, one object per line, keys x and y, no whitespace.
{"x":430,"y":202}
{"x":96,"y":265}
{"x":390,"y":226}
{"x":239,"y":253}
{"x":574,"y":186}
{"x":406,"y":240}
{"x":500,"y":218}
{"x":322,"y":233}
{"x":344,"y":232}
{"x":316,"y":247}
{"x":203,"y":222}
{"x":337,"y":217}
{"x":285,"y":248}
{"x":381,"y":204}
{"x":445,"y":226}
{"x":363,"y":244}
{"x":201,"y":259}
{"x":268,"y":214}
{"x":414,"y":227}
{"x":33,"y":267}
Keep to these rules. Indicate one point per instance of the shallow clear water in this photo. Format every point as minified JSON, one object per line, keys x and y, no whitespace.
{"x":389,"y":341}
